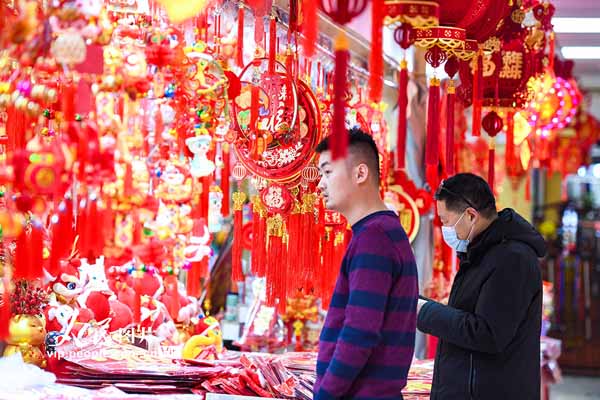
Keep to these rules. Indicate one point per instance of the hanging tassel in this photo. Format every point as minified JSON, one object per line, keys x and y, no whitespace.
{"x":272,"y":44}
{"x":240,"y":37}
{"x":310,"y":21}
{"x":36,"y":238}
{"x":275,"y":232}
{"x":225,"y":175}
{"x":237,"y":274}
{"x":281,"y":274}
{"x":16,"y":128}
{"x":492,"y":123}
{"x":68,"y":101}
{"x":450,"y":98}
{"x":477,"y":94}
{"x":137,"y":297}
{"x":294,"y":238}
{"x":289,"y":62}
{"x":491,"y":162}
{"x":433,"y":123}
{"x":339,"y":136}
{"x":376,"y":55}
{"x":253,"y":258}
{"x":5,"y":312}
{"x":193,"y":279}
{"x":402,"y":116}
{"x":510,"y":140}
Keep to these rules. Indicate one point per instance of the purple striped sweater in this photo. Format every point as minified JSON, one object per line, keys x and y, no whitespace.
{"x":367,"y":342}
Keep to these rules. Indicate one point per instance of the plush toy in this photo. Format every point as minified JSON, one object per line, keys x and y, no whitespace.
{"x":207,"y":343}
{"x":67,"y":285}
{"x":200,"y":165}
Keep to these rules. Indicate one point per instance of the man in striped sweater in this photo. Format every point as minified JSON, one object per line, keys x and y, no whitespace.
{"x":367,"y":342}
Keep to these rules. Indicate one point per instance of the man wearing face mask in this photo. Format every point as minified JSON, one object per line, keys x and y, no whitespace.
{"x":489,"y":333}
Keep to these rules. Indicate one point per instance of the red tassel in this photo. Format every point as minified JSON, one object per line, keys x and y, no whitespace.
{"x":225,"y":175}
{"x":22,"y":260}
{"x":294,"y":239}
{"x":491,"y":163}
{"x":193,"y":279}
{"x":272,"y":44}
{"x":510,"y":139}
{"x":310,"y":21}
{"x":5,"y":313}
{"x":37,"y":251}
{"x":137,"y":298}
{"x":376,"y":56}
{"x":68,"y":101}
{"x":240,"y":37}
{"x":273,"y":275}
{"x":237,"y":274}
{"x":402,"y":116}
{"x":16,"y":128}
{"x":339,"y":137}
{"x":477,"y":94}
{"x":433,"y":123}
{"x":450,"y":97}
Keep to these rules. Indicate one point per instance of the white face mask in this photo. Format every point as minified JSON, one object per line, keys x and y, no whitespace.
{"x":451,"y":238}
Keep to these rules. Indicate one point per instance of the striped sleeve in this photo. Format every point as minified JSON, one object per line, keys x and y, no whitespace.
{"x":370,"y":279}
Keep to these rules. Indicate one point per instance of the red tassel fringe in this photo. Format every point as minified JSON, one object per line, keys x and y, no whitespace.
{"x":450,"y":130}
{"x":433,"y":123}
{"x":339,"y":137}
{"x":5,"y":313}
{"x":477,"y":96}
{"x":402,"y":116}
{"x":491,"y":164}
{"x":237,"y":274}
{"x":310,"y":28}
{"x":376,"y":56}
{"x":239,"y":55}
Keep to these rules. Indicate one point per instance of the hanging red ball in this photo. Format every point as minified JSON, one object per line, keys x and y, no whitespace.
{"x":451,"y":66}
{"x":492,"y":123}
{"x":404,"y":36}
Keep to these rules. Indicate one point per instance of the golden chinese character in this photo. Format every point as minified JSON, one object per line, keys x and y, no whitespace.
{"x":512,"y":64}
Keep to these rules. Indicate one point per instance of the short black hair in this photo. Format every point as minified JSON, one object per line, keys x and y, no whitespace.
{"x":467,"y":190}
{"x":360,"y":144}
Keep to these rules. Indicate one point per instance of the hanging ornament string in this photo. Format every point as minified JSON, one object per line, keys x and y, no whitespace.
{"x":339,"y":136}
{"x":477,"y":93}
{"x":239,"y":55}
{"x":341,"y":12}
{"x":492,"y":123}
{"x":403,"y":35}
{"x":402,"y":116}
{"x":237,"y":274}
{"x":310,"y":23}
{"x":376,"y":55}
{"x":451,"y":68}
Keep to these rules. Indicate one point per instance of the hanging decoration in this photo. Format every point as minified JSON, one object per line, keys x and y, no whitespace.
{"x":405,"y":17}
{"x":341,"y":12}
{"x":440,"y":42}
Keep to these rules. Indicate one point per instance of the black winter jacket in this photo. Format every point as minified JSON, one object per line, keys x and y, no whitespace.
{"x":489,"y":334}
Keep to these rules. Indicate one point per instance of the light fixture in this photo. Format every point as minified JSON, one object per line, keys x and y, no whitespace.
{"x":581,"y":52}
{"x":576,"y":25}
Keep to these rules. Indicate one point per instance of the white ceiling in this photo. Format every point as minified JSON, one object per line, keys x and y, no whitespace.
{"x":587,"y":71}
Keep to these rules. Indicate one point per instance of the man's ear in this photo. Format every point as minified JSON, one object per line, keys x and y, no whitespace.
{"x":362,"y":173}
